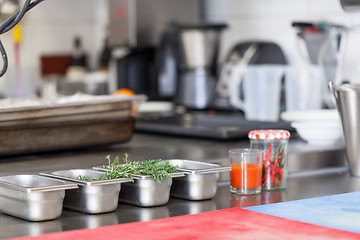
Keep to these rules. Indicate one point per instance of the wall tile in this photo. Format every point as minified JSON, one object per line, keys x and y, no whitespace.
{"x":51,"y":26}
{"x":271,"y":20}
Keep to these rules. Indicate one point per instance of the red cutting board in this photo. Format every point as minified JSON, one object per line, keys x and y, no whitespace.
{"x":233,"y":223}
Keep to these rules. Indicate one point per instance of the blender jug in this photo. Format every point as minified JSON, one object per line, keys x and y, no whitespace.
{"x":198,"y":72}
{"x":251,"y":79}
{"x":318,"y":45}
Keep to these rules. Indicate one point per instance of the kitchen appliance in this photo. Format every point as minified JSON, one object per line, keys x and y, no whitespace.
{"x":247,"y":63}
{"x":135,"y":29}
{"x":135,"y":70}
{"x":167,"y":63}
{"x":261,"y":91}
{"x":198,"y":70}
{"x":303,"y":87}
{"x":226,"y":123}
{"x":350,"y":5}
{"x":318,"y":44}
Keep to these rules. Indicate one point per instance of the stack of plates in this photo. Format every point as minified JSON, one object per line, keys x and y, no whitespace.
{"x":317,"y":127}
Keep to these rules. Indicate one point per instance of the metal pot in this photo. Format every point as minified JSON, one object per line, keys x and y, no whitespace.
{"x":348,"y":104}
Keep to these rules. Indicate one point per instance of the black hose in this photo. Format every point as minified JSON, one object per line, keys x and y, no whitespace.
{"x":9,"y":24}
{"x":18,"y":16}
{"x":5,"y":59}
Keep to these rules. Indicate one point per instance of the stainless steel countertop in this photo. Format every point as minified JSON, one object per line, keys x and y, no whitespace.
{"x":314,"y":171}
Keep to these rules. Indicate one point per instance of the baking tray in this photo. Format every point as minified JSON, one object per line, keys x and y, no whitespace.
{"x":17,"y":109}
{"x":33,"y":197}
{"x":92,"y":196}
{"x":67,"y":124}
{"x":200,"y":181}
{"x":145,"y":191}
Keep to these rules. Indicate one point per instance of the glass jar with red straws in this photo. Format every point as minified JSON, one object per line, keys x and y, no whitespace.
{"x":274,"y":144}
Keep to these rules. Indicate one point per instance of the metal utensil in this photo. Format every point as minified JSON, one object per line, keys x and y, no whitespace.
{"x":200,"y":181}
{"x":33,"y":197}
{"x":93,"y":196}
{"x":145,"y":191}
{"x":348,"y":104}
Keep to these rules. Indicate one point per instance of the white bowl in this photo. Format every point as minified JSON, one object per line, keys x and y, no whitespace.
{"x":310,"y":115}
{"x":320,"y":132}
{"x":155,"y":106}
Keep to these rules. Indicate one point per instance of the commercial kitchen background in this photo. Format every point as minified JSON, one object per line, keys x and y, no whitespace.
{"x":51,"y":27}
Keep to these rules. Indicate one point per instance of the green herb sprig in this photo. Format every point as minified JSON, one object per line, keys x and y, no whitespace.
{"x":156,"y":168}
{"x":83,"y":178}
{"x":116,"y":171}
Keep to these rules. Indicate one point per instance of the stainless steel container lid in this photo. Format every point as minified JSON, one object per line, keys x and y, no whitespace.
{"x":34,"y":183}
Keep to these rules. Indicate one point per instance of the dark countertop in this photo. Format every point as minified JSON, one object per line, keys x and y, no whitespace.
{"x":314,"y":171}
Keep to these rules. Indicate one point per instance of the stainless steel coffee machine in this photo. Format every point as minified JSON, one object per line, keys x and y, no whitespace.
{"x":199,"y":44}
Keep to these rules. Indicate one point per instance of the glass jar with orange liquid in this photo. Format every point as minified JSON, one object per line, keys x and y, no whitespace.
{"x":246,"y":171}
{"x":274,"y":143}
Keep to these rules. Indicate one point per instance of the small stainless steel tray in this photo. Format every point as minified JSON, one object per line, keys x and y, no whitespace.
{"x":195,"y":167}
{"x":200,"y":181}
{"x":92,"y":196}
{"x":145,"y":191}
{"x":33,"y":197}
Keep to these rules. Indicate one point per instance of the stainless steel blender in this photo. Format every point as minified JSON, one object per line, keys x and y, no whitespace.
{"x":198,"y":71}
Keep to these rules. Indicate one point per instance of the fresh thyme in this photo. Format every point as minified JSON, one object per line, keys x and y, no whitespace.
{"x":116,"y":171}
{"x":157,"y":168}
{"x":83,"y":178}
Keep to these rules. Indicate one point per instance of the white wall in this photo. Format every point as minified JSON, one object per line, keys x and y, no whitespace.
{"x":50,"y":28}
{"x":271,"y":19}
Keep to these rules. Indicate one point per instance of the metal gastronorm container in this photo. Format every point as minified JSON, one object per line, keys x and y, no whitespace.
{"x":200,"y":181}
{"x":145,"y":191}
{"x":66,"y":124}
{"x":33,"y":197}
{"x":92,"y":196}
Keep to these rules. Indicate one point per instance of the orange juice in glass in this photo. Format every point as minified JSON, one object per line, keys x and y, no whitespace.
{"x":246,"y":171}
